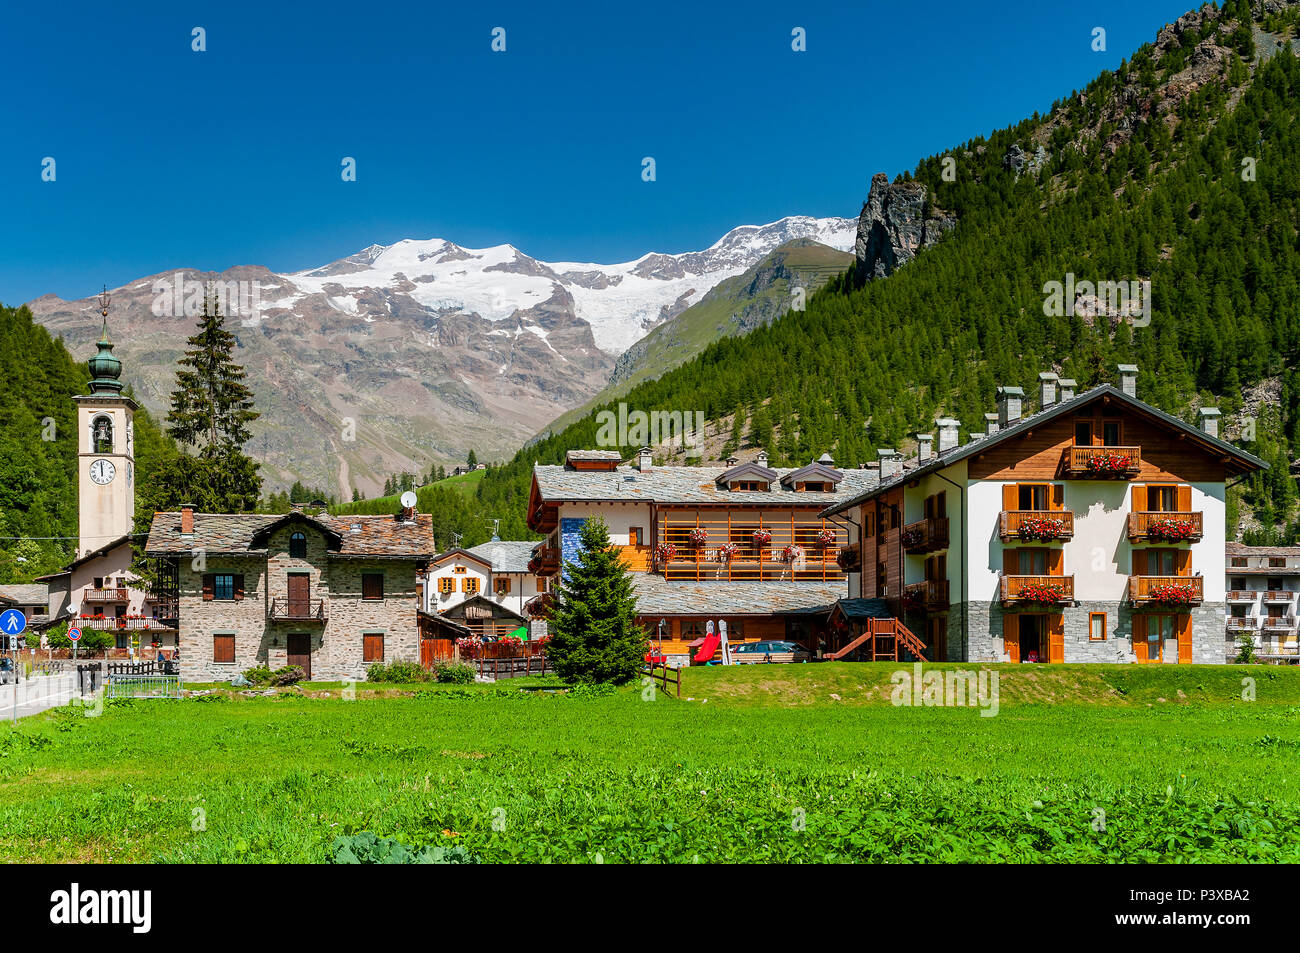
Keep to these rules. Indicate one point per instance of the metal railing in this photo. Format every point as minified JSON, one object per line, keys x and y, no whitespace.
{"x":143,"y":686}
{"x":301,"y":609}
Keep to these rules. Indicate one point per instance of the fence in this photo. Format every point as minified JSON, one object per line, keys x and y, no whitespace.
{"x":513,"y":667}
{"x":666,"y":676}
{"x":144,"y":686}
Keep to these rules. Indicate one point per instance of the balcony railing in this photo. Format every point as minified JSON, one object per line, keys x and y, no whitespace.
{"x":111,"y":594}
{"x":1041,"y":525}
{"x":929,"y":594}
{"x":753,"y":564}
{"x":545,"y":561}
{"x":110,"y":624}
{"x":1279,"y":623}
{"x":299,"y":609}
{"x":1166,"y":527}
{"x":1024,"y":590}
{"x":1243,"y":624}
{"x":1173,"y":592}
{"x":1279,"y":595}
{"x":927,"y":535}
{"x":1119,"y":463}
{"x":1242,"y":595}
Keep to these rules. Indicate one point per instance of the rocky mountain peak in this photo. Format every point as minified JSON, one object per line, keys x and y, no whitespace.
{"x":895,"y":224}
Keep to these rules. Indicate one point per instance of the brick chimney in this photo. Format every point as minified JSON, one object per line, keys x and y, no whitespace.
{"x":1009,"y":401}
{"x":1128,"y":379}
{"x":948,"y":437}
{"x":187,"y":519}
{"x":643,"y":461}
{"x":924,"y":446}
{"x":990,"y":424}
{"x":1208,"y":420}
{"x":1047,"y":389}
{"x":891,"y":463}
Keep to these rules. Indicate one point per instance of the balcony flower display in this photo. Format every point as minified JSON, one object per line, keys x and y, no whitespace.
{"x":762,"y":537}
{"x":1040,"y":594}
{"x":1108,"y":463}
{"x":912,"y":601}
{"x":665,"y":552}
{"x":848,"y":559}
{"x":1172,"y":594}
{"x":1171,"y":528}
{"x":699,"y":536}
{"x":469,"y":646}
{"x":911,"y":537}
{"x":726,"y":552}
{"x":792,"y":554}
{"x":826,"y":537}
{"x":1041,"y":528}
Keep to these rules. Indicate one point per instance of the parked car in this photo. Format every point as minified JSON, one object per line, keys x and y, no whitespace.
{"x":769,"y":651}
{"x":7,"y":673}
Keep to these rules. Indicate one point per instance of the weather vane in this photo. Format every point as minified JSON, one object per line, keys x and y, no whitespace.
{"x":104,"y":301}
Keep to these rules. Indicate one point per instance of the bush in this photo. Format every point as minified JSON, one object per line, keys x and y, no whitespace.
{"x":453,"y":673}
{"x":397,"y":671}
{"x":259,"y":675}
{"x":368,"y":848}
{"x":289,"y":675}
{"x":1246,"y":649}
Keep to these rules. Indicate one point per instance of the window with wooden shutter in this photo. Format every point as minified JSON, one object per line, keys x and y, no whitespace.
{"x":1139,"y":562}
{"x":223,"y":648}
{"x":1010,"y":496}
{"x":1096,"y":627}
{"x":1185,"y":639}
{"x":470,"y":584}
{"x":1183,"y":499}
{"x":1056,"y":562}
{"x":372,"y":586}
{"x":1183,"y":562}
{"x":208,"y":587}
{"x":502,"y":586}
{"x":372,"y":647}
{"x":446,"y":585}
{"x":1011,"y":637}
{"x":1011,"y":562}
{"x":1058,"y":496}
{"x":1140,"y":637}
{"x":1139,"y":498}
{"x":1056,"y":639}
{"x":237,"y":586}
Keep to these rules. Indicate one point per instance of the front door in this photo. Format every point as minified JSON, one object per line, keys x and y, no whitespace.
{"x":299,"y":595}
{"x":299,"y":645}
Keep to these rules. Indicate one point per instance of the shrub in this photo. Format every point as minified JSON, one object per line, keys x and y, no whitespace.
{"x":453,"y":673}
{"x":368,"y":848}
{"x":259,"y":675}
{"x":397,"y":671}
{"x":1246,"y":649}
{"x":289,"y":675}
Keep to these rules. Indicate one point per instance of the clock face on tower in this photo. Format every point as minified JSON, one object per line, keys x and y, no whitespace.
{"x":102,"y":471}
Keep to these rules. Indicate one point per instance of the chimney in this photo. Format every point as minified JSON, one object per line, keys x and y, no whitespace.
{"x":924,"y":446}
{"x":990,"y":424}
{"x":826,"y":460}
{"x":1208,"y":419}
{"x":731,"y":461}
{"x":761,"y":459}
{"x":187,"y":519}
{"x":948,"y":438}
{"x":1128,"y":379}
{"x":1009,"y":400}
{"x":1047,"y":389}
{"x":891,"y":463}
{"x":643,"y":462}
{"x":1067,"y":385}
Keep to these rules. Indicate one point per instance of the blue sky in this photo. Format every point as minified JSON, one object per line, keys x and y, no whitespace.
{"x":168,"y":158}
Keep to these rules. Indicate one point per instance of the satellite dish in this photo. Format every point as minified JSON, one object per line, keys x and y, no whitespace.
{"x":408,"y":500}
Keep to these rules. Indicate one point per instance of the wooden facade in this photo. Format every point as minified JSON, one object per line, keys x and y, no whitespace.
{"x":752,"y":561}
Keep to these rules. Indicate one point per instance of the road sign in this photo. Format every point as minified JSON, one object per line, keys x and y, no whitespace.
{"x":12,"y":622}
{"x":74,"y":633}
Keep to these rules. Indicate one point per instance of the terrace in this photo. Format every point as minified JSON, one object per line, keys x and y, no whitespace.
{"x":1166,"y":591}
{"x":1042,"y":525}
{"x":1026,"y":591}
{"x":926,"y":535}
{"x":1150,"y":526}
{"x":929,"y":594}
{"x":106,"y":594}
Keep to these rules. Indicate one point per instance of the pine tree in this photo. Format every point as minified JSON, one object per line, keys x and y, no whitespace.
{"x":594,"y":634}
{"x":472,"y":460}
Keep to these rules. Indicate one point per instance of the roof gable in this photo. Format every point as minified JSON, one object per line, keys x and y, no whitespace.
{"x":746,"y":471}
{"x":814,"y":472}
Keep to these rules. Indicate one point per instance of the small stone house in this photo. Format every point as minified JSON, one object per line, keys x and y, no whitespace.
{"x":330,"y":594}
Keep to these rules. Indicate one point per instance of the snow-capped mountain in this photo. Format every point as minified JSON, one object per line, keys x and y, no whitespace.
{"x":404,"y":355}
{"x":620,"y":302}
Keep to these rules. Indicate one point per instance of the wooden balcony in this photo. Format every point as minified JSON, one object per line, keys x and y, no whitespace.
{"x":1242,"y":595}
{"x":1103,"y":463}
{"x":111,"y":624}
{"x":1148,"y":526}
{"x":113,"y":594}
{"x":929,"y":595}
{"x":1041,"y":525}
{"x":753,"y":564}
{"x":298,"y":610}
{"x":1240,"y":624}
{"x":1145,"y":591}
{"x":850,"y":558}
{"x":545,"y":561}
{"x":1279,"y":596}
{"x":926,"y":536}
{"x":1014,"y":589}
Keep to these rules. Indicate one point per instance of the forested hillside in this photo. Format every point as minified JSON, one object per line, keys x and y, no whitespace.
{"x":38,"y":449}
{"x":1195,"y":186}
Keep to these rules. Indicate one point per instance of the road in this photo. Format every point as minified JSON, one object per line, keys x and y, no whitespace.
{"x":35,"y":695}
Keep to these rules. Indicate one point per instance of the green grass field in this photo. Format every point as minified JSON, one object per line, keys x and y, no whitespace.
{"x":764,"y":763}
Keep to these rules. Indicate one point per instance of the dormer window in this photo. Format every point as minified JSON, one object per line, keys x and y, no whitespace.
{"x":749,"y":486}
{"x":814,"y":487}
{"x":298,"y":546}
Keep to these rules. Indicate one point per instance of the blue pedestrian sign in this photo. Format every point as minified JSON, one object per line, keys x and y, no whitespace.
{"x":12,"y":622}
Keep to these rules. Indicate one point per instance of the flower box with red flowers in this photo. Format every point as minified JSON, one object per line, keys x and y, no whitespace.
{"x":665,"y":552}
{"x":792,"y":554}
{"x":1040,"y":594}
{"x":826,"y":537}
{"x":1172,"y":594}
{"x":1172,"y":529}
{"x":762,"y":537}
{"x":1109,"y":463}
{"x":1041,"y":528}
{"x":848,"y":559}
{"x":698,"y":536}
{"x":912,"y":537}
{"x":726,"y":552}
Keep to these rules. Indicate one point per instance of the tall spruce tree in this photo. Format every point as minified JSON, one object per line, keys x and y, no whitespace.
{"x":211,"y":410}
{"x":594,"y":634}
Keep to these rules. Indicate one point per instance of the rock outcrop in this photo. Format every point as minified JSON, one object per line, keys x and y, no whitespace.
{"x":896,"y":223}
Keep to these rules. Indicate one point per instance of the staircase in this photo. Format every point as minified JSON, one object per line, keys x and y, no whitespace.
{"x":883,"y":638}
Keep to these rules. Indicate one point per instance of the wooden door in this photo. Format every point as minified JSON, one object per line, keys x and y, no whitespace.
{"x":1011,"y":636}
{"x":1140,"y":637}
{"x":299,"y":646}
{"x":299,"y":595}
{"x":1185,"y":639}
{"x":1056,"y":638}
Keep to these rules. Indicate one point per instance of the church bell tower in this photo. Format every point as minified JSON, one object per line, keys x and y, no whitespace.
{"x":105,"y":450}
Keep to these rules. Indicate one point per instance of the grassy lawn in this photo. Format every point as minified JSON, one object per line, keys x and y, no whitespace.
{"x":757,"y":763}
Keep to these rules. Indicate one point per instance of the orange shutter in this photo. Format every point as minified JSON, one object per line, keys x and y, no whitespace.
{"x":1011,"y":562}
{"x":1058,"y":496}
{"x":1056,"y":638}
{"x":1140,"y":500}
{"x":1010,"y":496}
{"x":207,"y":586}
{"x":1185,"y":639}
{"x":1140,"y":637}
{"x":1011,"y":636}
{"x":1183,"y":499}
{"x":1056,"y":562}
{"x":1184,"y":562}
{"x":1139,"y":562}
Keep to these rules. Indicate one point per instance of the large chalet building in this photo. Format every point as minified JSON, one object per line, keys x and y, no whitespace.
{"x":1263,"y":588}
{"x":332,"y":594}
{"x":1089,"y":531}
{"x":742,"y":543}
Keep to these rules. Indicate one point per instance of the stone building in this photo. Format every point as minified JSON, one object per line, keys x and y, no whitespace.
{"x":330,"y":594}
